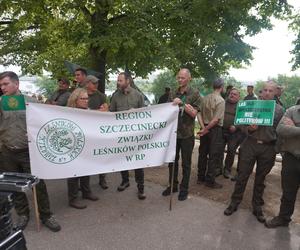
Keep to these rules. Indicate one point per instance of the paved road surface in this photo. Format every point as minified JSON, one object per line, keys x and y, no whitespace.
{"x":121,"y":221}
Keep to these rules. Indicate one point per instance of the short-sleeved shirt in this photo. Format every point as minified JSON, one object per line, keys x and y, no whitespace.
{"x":213,"y":106}
{"x":121,"y":101}
{"x":186,"y":123}
{"x":96,"y":100}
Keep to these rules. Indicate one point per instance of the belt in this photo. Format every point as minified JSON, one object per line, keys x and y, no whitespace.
{"x":262,"y":142}
{"x":15,"y":149}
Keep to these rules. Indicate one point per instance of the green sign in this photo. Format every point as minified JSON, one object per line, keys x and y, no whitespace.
{"x":12,"y":102}
{"x":257,"y":112}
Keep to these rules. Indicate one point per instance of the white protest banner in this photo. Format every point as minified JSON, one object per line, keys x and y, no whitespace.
{"x":67,"y":142}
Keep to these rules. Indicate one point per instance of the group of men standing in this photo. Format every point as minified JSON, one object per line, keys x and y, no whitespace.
{"x":216,"y":119}
{"x":258,"y":145}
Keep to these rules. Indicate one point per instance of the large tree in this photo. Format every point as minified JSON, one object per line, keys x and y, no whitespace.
{"x":140,"y":36}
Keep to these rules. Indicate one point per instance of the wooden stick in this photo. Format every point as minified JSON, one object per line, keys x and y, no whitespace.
{"x":36,"y":210}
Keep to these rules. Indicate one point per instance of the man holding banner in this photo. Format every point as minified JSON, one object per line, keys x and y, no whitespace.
{"x":233,"y":135}
{"x":13,"y":135}
{"x":259,"y":148}
{"x":189,"y":102}
{"x":126,"y":98}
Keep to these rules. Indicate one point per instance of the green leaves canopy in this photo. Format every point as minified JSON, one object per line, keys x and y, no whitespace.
{"x":141,"y":36}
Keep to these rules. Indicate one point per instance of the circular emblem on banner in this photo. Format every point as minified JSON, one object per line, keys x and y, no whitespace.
{"x":60,"y":141}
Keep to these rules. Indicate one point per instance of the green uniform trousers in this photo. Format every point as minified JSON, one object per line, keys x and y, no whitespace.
{"x":251,"y":152}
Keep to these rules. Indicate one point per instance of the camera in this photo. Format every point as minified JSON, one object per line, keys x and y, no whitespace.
{"x":12,"y":238}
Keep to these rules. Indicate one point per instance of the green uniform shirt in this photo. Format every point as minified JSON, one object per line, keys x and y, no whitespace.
{"x":60,"y":97}
{"x":289,"y":136}
{"x":186,"y":123}
{"x":213,"y":106}
{"x":121,"y":101}
{"x":96,"y":100}
{"x":229,"y":115}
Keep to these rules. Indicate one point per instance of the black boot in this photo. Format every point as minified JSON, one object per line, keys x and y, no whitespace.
{"x":231,"y":209}
{"x":167,"y":191}
{"x":141,"y":194}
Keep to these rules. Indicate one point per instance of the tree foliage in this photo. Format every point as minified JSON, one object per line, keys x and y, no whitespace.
{"x":204,"y":35}
{"x":46,"y":86}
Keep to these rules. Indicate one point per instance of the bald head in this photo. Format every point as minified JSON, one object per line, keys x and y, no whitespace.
{"x":184,"y":77}
{"x":269,"y":90}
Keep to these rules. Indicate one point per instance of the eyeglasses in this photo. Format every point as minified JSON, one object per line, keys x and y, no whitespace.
{"x":83,"y":98}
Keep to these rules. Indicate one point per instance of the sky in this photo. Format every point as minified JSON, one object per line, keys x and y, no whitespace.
{"x":271,"y":56}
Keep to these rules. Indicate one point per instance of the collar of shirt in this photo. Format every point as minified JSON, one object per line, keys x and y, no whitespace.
{"x":186,"y":92}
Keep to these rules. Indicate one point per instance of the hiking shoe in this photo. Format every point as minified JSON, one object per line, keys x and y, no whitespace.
{"x":259,"y":215}
{"x":277,"y":222}
{"x":183,"y":195}
{"x":141,"y":195}
{"x":230,"y":209}
{"x":167,"y":191}
{"x":22,"y":222}
{"x":123,"y":186}
{"x":52,"y":224}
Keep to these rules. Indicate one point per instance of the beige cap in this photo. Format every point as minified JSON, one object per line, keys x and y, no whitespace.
{"x":91,"y":78}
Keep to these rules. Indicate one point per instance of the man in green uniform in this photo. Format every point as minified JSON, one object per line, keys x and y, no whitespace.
{"x":259,"y":148}
{"x":125,"y":98}
{"x":189,"y":102}
{"x":15,"y":153}
{"x":97,"y":101}
{"x":289,"y":144}
{"x":60,"y":97}
{"x":232,"y":134}
{"x":211,"y":136}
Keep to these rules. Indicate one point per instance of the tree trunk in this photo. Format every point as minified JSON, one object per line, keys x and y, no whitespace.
{"x":99,"y":27}
{"x":98,"y":63}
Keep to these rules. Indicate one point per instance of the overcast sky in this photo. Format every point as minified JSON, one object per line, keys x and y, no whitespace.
{"x":272,"y":56}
